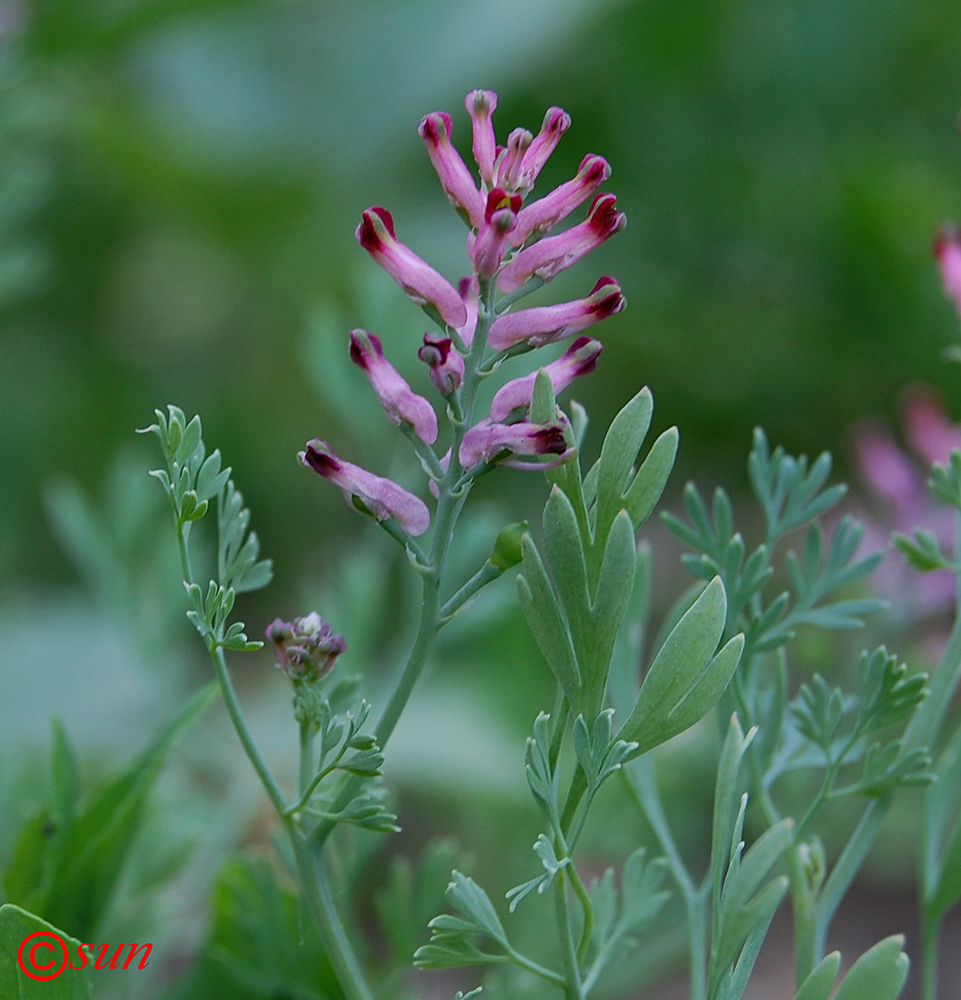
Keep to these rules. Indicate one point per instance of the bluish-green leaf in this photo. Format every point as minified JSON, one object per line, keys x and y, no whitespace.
{"x":544,"y":619}
{"x":879,"y":974}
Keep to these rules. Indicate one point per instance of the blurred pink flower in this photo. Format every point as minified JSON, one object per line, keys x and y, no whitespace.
{"x":899,"y":478}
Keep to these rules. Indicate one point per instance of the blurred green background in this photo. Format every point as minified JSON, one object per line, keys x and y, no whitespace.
{"x":179,"y":185}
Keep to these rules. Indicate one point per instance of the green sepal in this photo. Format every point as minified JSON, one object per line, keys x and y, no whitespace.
{"x":543,"y":403}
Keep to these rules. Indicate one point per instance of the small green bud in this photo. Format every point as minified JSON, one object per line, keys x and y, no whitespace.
{"x":507,"y":548}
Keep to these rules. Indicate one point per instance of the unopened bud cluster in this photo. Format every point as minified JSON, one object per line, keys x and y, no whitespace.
{"x":306,"y":648}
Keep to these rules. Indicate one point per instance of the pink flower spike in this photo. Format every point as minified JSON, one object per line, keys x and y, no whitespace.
{"x":541,"y":216}
{"x":481,"y":105}
{"x":382,"y":497}
{"x":556,"y":123}
{"x":397,"y":398}
{"x":454,"y":176}
{"x":486,"y":440}
{"x":415,"y":276}
{"x":508,"y":166}
{"x":554,"y":254}
{"x":445,"y":364}
{"x":580,"y":359}
{"x":947,"y":248}
{"x":549,"y":324}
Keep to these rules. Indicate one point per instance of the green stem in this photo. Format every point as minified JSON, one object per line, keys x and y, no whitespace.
{"x":638,"y":778}
{"x":485,"y":575}
{"x":930,"y":946}
{"x":306,"y":769}
{"x":848,"y":865}
{"x":236,"y":714}
{"x":323,"y":909}
{"x":525,"y":963}
{"x":573,"y":986}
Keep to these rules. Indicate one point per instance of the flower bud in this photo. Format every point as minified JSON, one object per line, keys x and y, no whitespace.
{"x":446,"y":366}
{"x":306,"y":648}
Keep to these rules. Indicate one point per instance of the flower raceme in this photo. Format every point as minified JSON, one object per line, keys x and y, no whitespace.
{"x":512,"y":249}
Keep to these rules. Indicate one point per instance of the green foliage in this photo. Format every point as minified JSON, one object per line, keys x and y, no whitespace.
{"x":576,"y":613}
{"x":686,"y":678}
{"x":452,"y":937}
{"x":411,"y":895}
{"x":70,"y":855}
{"x":191,"y":480}
{"x":16,"y":924}
{"x":886,"y":700}
{"x":618,"y":915}
{"x":261,"y":946}
{"x":879,"y":974}
{"x":790,"y":496}
{"x":941,"y":845}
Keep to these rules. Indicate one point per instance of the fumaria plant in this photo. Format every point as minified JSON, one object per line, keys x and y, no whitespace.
{"x":722,"y":658}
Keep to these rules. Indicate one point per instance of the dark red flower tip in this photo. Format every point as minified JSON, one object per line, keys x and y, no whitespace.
{"x":498,"y":199}
{"x":550,"y":441}
{"x":603,"y":216}
{"x":429,"y":130}
{"x":367,"y":233}
{"x":319,"y":461}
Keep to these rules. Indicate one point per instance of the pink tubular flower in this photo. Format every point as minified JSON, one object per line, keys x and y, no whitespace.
{"x":480,"y":105}
{"x":487,"y":248}
{"x":556,"y":123}
{"x":556,"y":253}
{"x":454,"y":176}
{"x":445,"y":364}
{"x":549,"y":324}
{"x":383,"y":498}
{"x":541,"y":216}
{"x":397,"y":398}
{"x":507,"y":166}
{"x":486,"y":440}
{"x":469,"y":292}
{"x":947,"y":248}
{"x":416,"y":277}
{"x":580,"y":359}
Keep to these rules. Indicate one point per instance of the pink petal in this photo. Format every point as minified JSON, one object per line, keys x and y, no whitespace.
{"x":554,"y":254}
{"x":549,"y":324}
{"x":382,"y":497}
{"x":415,"y":276}
{"x":396,"y":397}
